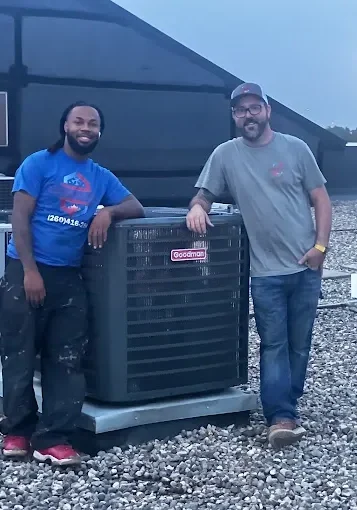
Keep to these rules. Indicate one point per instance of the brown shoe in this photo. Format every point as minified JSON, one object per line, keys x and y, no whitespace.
{"x":285,"y":433}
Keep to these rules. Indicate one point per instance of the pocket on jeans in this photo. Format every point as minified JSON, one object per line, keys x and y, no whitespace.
{"x":316,"y":271}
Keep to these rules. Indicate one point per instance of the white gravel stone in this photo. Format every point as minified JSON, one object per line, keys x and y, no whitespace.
{"x":336,"y":291}
{"x":231,"y":468}
{"x":342,"y":250}
{"x":343,"y":236}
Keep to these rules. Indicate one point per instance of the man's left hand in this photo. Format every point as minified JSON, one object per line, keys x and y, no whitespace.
{"x":98,"y":230}
{"x":313,"y":259}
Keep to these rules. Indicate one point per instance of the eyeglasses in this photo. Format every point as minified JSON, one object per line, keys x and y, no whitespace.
{"x":253,"y":109}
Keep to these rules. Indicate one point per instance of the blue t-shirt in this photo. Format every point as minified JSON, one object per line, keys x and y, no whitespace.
{"x":67,"y":194}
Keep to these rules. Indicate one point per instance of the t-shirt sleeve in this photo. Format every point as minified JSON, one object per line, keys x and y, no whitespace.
{"x":312,"y":176}
{"x":29,"y":176}
{"x":212,"y":176}
{"x":114,"y":192}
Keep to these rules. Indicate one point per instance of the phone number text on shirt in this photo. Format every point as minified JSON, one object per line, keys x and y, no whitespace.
{"x":67,"y":221}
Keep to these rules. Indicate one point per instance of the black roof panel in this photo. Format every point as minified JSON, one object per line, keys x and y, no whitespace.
{"x":106,"y":9}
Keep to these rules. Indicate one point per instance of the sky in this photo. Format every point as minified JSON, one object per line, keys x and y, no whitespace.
{"x":303,"y":52}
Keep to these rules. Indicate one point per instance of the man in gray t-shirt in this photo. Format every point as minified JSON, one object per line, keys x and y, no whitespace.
{"x":273,"y":179}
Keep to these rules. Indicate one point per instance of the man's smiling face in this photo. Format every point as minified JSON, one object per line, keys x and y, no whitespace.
{"x":251,"y":115}
{"x":82,"y":129}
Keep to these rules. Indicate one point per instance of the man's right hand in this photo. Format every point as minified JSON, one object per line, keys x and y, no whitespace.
{"x":34,"y":288}
{"x":197,"y":220}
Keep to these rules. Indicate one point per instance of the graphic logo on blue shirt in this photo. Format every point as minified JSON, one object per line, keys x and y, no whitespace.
{"x":75,"y":180}
{"x":75,"y":194}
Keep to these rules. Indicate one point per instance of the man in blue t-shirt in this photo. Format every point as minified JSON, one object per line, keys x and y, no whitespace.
{"x":44,"y":307}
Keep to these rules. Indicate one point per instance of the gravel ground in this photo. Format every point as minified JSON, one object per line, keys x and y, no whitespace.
{"x":231,"y":468}
{"x":343,"y":236}
{"x":344,"y":214}
{"x":342,"y":252}
{"x":335,"y":291}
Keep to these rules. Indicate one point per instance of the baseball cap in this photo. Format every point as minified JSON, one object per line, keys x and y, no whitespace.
{"x":245,"y":89}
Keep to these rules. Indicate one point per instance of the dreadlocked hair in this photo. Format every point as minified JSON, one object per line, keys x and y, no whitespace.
{"x":60,"y":143}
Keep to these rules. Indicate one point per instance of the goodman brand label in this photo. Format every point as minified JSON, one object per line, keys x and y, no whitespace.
{"x":188,"y":254}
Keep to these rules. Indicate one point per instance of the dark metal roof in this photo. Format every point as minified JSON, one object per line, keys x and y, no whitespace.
{"x":69,"y":6}
{"x":108,"y":11}
{"x":327,"y":138}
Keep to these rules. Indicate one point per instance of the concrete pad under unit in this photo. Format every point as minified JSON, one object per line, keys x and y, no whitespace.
{"x":332,"y":274}
{"x":99,"y":419}
{"x":351,"y":267}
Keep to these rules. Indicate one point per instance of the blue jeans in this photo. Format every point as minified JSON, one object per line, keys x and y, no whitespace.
{"x":285,"y":311}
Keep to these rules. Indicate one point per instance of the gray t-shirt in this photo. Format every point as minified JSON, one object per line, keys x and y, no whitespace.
{"x":270,"y":185}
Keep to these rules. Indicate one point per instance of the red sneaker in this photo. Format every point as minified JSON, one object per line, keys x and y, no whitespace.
{"x":16,"y":446}
{"x":60,"y":455}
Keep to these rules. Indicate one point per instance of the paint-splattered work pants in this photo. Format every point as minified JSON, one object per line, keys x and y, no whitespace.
{"x":58,"y":332}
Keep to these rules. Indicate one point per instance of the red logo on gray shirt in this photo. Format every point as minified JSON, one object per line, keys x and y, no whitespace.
{"x":277,"y":170}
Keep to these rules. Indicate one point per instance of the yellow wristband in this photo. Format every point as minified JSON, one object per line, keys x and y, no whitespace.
{"x":321,"y":248}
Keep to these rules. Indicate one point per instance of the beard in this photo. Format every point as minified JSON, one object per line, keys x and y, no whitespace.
{"x":79,"y":148}
{"x":252,"y":129}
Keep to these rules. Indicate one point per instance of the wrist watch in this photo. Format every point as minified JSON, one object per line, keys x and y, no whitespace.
{"x":322,"y":249}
